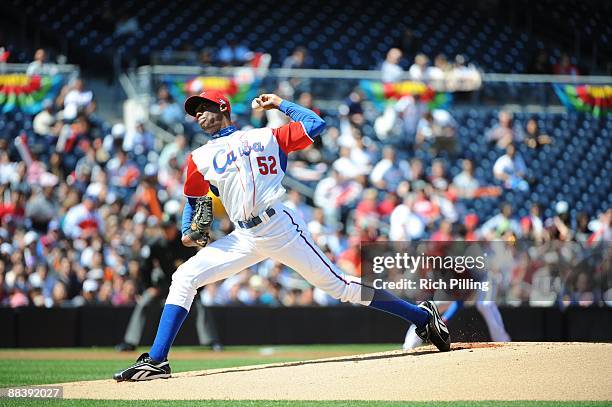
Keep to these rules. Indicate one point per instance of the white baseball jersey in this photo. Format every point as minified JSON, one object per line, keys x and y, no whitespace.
{"x":245,"y":168}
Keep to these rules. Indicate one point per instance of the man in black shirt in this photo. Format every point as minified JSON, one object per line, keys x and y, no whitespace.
{"x":166,"y":253}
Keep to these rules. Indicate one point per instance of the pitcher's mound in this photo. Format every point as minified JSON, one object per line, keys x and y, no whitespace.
{"x":523,"y":371}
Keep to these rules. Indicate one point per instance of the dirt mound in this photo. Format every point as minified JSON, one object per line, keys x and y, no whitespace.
{"x":523,"y":371}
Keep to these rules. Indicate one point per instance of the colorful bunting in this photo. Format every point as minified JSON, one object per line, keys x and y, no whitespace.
{"x":383,"y":93}
{"x":240,"y":94}
{"x":596,"y":100}
{"x":27,"y":93}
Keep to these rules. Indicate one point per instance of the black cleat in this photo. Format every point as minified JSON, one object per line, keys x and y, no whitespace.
{"x":145,"y":368}
{"x":435,"y":331}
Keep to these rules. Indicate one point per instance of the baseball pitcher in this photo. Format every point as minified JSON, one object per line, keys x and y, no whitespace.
{"x":245,"y":169}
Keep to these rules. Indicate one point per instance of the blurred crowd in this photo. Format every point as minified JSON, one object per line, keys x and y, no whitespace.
{"x":89,"y":211}
{"x":442,"y":74}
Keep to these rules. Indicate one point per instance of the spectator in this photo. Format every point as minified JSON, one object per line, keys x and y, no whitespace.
{"x":74,"y":140}
{"x":289,"y":83}
{"x":39,"y":66}
{"x":582,"y":227}
{"x":170,"y":179}
{"x":44,"y":121}
{"x":114,"y":140}
{"x":565,"y":66}
{"x":139,"y":142}
{"x":123,"y":175}
{"x":127,"y":294}
{"x":443,"y":234}
{"x":77,"y":100}
{"x":297,"y":60}
{"x":537,"y":225}
{"x":465,"y":183}
{"x":205,"y":58}
{"x":526,"y":234}
{"x":4,"y":57}
{"x":13,"y":207}
{"x":8,"y":169}
{"x":166,"y":112}
{"x":438,"y":177}
{"x":391,"y":71}
{"x":146,"y":193}
{"x":177,"y":149}
{"x":462,"y":77}
{"x":307,"y":101}
{"x":105,"y":294}
{"x":437,"y":127}
{"x":361,"y":155}
{"x":423,"y":205}
{"x":438,"y":72}
{"x":351,"y":112}
{"x":470,"y":222}
{"x":602,"y":228}
{"x":43,"y":206}
{"x":336,"y":193}
{"x":89,"y":294}
{"x":321,"y":233}
{"x":511,"y":170}
{"x":368,"y":207}
{"x":534,"y":138}
{"x":60,"y":296}
{"x":389,"y":172}
{"x":559,"y":226}
{"x":349,"y":260}
{"x":43,"y":281}
{"x":346,"y":167}
{"x":295,"y":201}
{"x":418,"y":70}
{"x":388,"y":204}
{"x":83,"y":219}
{"x":405,"y":224}
{"x":417,"y":171}
{"x":56,"y":166}
{"x":499,"y":224}
{"x":506,"y":131}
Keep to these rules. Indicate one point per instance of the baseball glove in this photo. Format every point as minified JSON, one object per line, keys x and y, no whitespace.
{"x":201,"y":221}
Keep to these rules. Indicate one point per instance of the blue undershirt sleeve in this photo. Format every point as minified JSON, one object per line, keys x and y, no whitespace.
{"x":187,"y":215}
{"x":312,"y":122}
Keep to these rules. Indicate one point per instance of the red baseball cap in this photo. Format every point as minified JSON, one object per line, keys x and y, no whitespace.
{"x":192,"y":102}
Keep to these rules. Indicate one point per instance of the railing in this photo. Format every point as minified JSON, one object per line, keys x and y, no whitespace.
{"x":332,"y":85}
{"x":362,"y":74}
{"x":72,"y":70}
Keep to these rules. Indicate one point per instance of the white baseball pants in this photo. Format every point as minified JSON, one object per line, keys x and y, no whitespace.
{"x":284,"y":238}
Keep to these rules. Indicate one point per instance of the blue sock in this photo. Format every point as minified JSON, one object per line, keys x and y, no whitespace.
{"x":385,"y":301}
{"x":171,"y":320}
{"x":452,"y":310}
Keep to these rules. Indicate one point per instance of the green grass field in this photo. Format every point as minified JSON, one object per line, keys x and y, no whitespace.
{"x":45,"y":366}
{"x":42,"y":366}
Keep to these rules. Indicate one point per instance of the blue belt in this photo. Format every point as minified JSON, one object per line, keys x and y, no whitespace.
{"x":257,"y":220}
